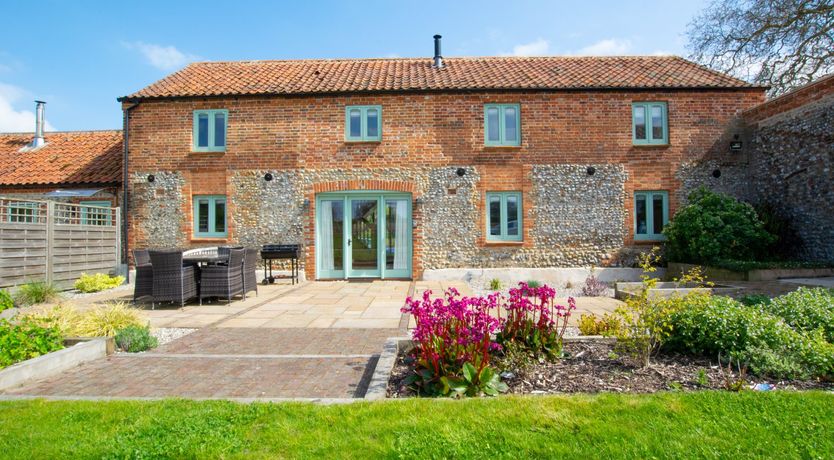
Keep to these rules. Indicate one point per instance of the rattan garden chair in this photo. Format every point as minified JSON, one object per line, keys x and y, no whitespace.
{"x":143,"y":284}
{"x":172,"y":282}
{"x":224,"y":281}
{"x":250,"y":265}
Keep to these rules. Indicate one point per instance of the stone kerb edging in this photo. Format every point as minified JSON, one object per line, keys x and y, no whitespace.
{"x":53,"y":363}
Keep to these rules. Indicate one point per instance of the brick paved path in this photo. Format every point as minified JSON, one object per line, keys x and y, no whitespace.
{"x":232,"y":363}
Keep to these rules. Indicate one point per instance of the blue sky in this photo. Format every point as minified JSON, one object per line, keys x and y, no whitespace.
{"x":86,"y":54}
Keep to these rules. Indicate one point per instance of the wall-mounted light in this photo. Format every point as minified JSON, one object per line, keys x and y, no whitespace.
{"x":716,"y":173}
{"x":735,"y":146}
{"x":268,"y":177}
{"x":151,"y":178}
{"x":591,"y":170}
{"x":460,"y":172}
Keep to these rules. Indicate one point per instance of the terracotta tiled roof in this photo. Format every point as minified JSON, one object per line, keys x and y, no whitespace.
{"x":417,"y":74}
{"x":77,"y":157}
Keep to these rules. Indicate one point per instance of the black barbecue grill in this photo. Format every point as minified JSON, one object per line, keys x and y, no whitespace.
{"x":271,"y":252}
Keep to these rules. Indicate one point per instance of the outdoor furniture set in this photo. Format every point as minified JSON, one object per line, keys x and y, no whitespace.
{"x":173,"y":275}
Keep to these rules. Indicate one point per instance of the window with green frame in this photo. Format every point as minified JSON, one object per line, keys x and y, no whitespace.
{"x":24,"y":213}
{"x":651,"y":214}
{"x":649,"y":123}
{"x":210,"y":216}
{"x":210,"y":130}
{"x":503,"y":216}
{"x":363,"y":123}
{"x":95,"y":216}
{"x":502,"y":124}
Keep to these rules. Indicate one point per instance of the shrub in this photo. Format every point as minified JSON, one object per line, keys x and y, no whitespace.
{"x":98,"y":282}
{"x":26,"y":340}
{"x":754,"y":299}
{"x":494,"y":284}
{"x":806,"y":309}
{"x":533,"y":284}
{"x":715,"y":325}
{"x":643,"y":322}
{"x":36,"y":292}
{"x":95,"y":322}
{"x":593,"y":287}
{"x":6,"y":301}
{"x":134,"y":339}
{"x":594,"y":325}
{"x":453,"y":344}
{"x":715,"y":226}
{"x":533,"y":321}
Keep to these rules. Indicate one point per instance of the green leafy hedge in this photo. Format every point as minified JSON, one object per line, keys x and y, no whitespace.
{"x":19,"y":342}
{"x":806,"y":309}
{"x":747,"y":265}
{"x":713,"y":325}
{"x":715,"y":226}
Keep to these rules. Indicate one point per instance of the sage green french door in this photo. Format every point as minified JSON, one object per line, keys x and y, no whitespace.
{"x":363,"y":235}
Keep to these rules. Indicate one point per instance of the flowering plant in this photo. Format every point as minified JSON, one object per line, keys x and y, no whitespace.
{"x":453,"y":344}
{"x":534,"y":321}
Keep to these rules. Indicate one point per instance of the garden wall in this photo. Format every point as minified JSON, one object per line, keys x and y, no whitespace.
{"x":792,"y":163}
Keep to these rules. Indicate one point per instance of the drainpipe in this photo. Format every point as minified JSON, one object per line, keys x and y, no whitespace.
{"x":126,"y":134}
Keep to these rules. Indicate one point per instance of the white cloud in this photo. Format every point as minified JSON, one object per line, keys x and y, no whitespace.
{"x":607,"y":47}
{"x":14,"y":121}
{"x":162,"y":57}
{"x":538,"y":47}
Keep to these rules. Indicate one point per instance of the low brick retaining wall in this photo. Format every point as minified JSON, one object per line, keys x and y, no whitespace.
{"x":720,"y":274}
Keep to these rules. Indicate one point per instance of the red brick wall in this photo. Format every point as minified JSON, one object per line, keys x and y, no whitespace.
{"x":797,"y":98}
{"x":436,"y":129}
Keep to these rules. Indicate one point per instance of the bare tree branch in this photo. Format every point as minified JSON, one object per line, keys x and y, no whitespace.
{"x":780,"y":43}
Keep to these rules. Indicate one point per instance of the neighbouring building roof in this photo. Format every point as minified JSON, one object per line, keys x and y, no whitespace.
{"x":417,"y":74}
{"x":74,"y":157}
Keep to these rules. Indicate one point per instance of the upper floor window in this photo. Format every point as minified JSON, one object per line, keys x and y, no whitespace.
{"x":210,"y":130}
{"x":503,"y":216}
{"x":363,"y":123}
{"x":651,"y":214}
{"x":210,"y":216}
{"x":649,"y":124}
{"x":502,"y":124}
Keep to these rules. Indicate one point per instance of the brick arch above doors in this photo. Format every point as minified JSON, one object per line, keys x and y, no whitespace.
{"x":364,"y":184}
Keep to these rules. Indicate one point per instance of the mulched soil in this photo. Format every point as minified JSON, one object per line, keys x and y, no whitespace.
{"x":592,"y":367}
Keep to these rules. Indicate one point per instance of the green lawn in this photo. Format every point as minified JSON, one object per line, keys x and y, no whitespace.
{"x":670,"y":425}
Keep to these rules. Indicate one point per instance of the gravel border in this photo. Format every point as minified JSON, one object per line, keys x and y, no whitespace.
{"x":169,"y":334}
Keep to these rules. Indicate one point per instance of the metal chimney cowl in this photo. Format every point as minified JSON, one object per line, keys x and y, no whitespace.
{"x":38,"y":141}
{"x":438,"y":59}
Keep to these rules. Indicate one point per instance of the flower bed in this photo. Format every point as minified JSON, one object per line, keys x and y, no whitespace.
{"x":592,"y":366}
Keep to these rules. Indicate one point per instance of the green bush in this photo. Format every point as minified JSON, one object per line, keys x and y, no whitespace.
{"x":806,"y":309}
{"x":714,"y":325}
{"x":747,"y":265}
{"x":754,"y":299}
{"x":98,"y":282}
{"x":715,"y":226}
{"x":533,"y":284}
{"x":36,"y":292}
{"x":6,"y":301}
{"x":19,"y":342}
{"x":134,"y":339}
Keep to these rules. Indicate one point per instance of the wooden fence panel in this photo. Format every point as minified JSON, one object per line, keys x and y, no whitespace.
{"x":56,"y":242}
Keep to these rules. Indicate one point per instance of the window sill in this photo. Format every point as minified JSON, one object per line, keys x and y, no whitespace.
{"x":503,"y":243}
{"x":651,"y":146}
{"x":209,"y":239}
{"x":502,"y":147}
{"x":649,"y":240}
{"x":352,"y":142}
{"x":209,"y":151}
